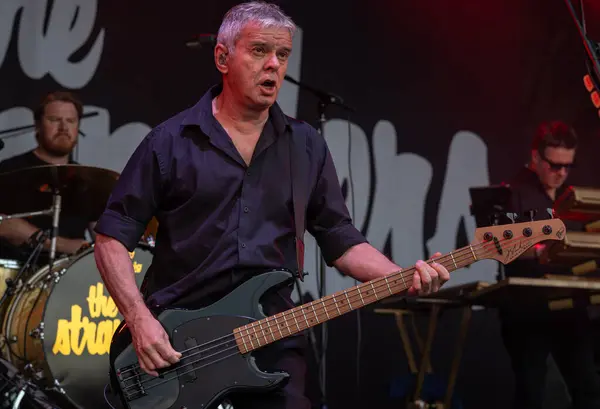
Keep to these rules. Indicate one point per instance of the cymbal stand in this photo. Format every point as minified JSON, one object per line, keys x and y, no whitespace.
{"x":56,"y":207}
{"x":24,"y":215}
{"x":55,"y":212}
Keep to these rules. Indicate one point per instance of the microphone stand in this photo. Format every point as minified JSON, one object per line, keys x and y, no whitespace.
{"x":592,"y":49}
{"x":324,"y":100}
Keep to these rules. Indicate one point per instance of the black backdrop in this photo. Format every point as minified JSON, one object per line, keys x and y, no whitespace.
{"x":430,"y":68}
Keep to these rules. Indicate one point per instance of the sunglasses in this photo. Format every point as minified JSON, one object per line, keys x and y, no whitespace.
{"x":557,"y":166}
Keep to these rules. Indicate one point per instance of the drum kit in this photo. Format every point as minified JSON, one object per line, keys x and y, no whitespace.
{"x":57,"y":319}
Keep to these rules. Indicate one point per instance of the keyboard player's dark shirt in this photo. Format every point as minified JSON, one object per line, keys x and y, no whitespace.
{"x":528,"y":193}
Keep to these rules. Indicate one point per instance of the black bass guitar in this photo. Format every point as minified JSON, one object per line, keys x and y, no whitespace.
{"x":216,"y":342}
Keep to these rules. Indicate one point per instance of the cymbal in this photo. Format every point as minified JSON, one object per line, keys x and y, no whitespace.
{"x":84,"y":190}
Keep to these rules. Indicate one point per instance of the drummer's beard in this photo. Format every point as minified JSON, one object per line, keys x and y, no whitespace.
{"x":60,"y":144}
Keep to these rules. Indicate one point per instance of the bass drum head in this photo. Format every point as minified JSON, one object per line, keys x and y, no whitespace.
{"x":79,"y":321}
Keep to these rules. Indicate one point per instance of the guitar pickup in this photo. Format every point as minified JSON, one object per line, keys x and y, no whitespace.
{"x":186,"y":374}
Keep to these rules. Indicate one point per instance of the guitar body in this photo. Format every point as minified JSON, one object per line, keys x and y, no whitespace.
{"x":213,"y":367}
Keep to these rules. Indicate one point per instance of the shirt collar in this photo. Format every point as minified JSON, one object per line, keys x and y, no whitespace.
{"x":201,"y":114}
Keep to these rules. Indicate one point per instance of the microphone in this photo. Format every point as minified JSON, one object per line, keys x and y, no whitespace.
{"x":202,"y":41}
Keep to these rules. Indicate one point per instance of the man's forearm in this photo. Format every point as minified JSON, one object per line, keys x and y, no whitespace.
{"x":116,"y":269}
{"x":18,"y":231}
{"x":364,"y":262}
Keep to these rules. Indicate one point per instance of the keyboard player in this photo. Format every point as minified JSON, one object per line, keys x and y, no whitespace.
{"x":530,"y":336}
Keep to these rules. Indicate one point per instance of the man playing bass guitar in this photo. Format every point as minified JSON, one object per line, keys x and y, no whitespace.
{"x":217,"y":179}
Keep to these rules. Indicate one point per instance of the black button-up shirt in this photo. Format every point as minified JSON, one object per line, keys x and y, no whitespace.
{"x":528,"y":193}
{"x":217,"y":218}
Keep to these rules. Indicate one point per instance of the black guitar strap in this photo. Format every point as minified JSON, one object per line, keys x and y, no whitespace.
{"x":298,"y":171}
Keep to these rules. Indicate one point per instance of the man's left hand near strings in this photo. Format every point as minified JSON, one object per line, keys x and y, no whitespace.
{"x":428,"y":277}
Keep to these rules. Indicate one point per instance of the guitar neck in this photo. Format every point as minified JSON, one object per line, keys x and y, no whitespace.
{"x":267,"y":330}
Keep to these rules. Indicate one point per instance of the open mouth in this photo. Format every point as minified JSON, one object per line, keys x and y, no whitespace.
{"x":268,"y":84}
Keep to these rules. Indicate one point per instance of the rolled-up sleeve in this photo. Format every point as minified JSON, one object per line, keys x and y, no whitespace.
{"x":328,"y":219}
{"x":135,"y":197}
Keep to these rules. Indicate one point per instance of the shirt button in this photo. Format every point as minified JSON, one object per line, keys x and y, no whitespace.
{"x":243,"y":245}
{"x":248,"y":173}
{"x":246,"y":210}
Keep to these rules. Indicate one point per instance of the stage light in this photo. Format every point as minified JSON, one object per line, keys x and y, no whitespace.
{"x":596,"y":99}
{"x":589,"y":84}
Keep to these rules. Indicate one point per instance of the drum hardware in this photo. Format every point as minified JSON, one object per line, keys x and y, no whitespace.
{"x":83,"y":190}
{"x":37,"y":374}
{"x":67,"y":352}
{"x":16,"y":284}
{"x":56,"y":205}
{"x":62,"y":353}
{"x":38,"y":332}
{"x":16,"y":390}
{"x":57,"y":387}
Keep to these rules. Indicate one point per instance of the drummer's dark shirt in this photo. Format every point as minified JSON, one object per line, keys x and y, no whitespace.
{"x":219,"y":220}
{"x":527,"y":192}
{"x":69,"y":226}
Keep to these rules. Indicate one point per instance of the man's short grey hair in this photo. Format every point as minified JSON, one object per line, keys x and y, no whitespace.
{"x":266,"y":15}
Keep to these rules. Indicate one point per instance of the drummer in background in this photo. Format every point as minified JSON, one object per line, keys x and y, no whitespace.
{"x":56,"y":132}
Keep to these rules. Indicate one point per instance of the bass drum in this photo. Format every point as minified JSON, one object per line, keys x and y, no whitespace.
{"x":59,"y":328}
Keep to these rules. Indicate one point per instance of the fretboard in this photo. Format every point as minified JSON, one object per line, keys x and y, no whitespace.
{"x":267,"y":330}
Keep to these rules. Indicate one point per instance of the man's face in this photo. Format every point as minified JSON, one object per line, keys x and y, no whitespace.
{"x":257,"y":67}
{"x":58,"y":128}
{"x":553,"y":165}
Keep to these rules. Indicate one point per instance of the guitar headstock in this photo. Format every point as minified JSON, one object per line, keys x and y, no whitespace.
{"x":507,"y":242}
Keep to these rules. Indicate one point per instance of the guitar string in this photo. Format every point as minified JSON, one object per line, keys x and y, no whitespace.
{"x":162,"y":381}
{"x":235,"y":347}
{"x":230,"y":337}
{"x":130,"y":396}
{"x":288,"y":313}
{"x":323,"y":303}
{"x":457,"y":258}
{"x":202,"y":351}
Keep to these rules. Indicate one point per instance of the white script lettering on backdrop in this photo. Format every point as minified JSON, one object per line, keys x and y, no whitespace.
{"x":401,"y":180}
{"x":48,"y":52}
{"x":401,"y":186}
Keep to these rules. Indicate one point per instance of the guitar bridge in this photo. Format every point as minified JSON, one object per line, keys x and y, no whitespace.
{"x":130,"y":380}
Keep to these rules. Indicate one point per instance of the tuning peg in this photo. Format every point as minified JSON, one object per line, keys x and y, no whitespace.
{"x":512,"y":216}
{"x":530,"y":214}
{"x":550,"y":212}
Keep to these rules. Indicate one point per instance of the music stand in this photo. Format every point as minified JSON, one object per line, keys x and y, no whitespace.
{"x":491,"y":205}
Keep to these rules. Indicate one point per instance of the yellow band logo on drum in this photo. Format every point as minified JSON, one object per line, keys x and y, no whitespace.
{"x":81,"y":333}
{"x":137,"y":267}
